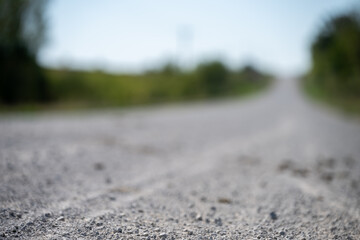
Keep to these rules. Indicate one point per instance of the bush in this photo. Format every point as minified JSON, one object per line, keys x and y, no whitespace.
{"x":214,"y":77}
{"x":336,"y":56}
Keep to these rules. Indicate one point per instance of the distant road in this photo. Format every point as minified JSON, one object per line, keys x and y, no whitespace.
{"x":272,"y":165}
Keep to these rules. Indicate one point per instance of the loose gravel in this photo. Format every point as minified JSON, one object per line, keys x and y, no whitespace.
{"x":271,"y":167}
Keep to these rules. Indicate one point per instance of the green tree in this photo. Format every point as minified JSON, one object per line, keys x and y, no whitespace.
{"x":336,"y":56}
{"x":22,"y":33}
{"x":214,"y":77}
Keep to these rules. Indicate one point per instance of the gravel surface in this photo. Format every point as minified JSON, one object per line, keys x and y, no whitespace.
{"x":268,"y":167}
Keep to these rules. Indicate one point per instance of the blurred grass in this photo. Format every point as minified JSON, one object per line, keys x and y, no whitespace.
{"x":71,"y":90}
{"x":347,"y":104}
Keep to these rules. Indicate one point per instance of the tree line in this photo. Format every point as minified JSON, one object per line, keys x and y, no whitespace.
{"x":335,"y":52}
{"x":23,"y":81}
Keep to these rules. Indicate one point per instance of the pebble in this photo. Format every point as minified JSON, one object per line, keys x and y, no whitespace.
{"x":99,"y":166}
{"x":163,"y":235}
{"x":218,"y":222}
{"x":273,"y":216}
{"x":224,"y":200}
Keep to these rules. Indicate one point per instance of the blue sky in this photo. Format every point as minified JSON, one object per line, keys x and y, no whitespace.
{"x":132,"y":35}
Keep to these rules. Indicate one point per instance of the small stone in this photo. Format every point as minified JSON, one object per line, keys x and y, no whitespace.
{"x":327,"y":177}
{"x":282,"y":233}
{"x":157,"y":229}
{"x":302,"y":172}
{"x":108,"y":180}
{"x":287,"y":164}
{"x":273,"y":216}
{"x":99,"y":166}
{"x":203,"y":199}
{"x":61,"y":218}
{"x":163,"y":235}
{"x":47,"y":215}
{"x":193,"y":214}
{"x":198,"y":217}
{"x":218,"y":222}
{"x":224,"y":200}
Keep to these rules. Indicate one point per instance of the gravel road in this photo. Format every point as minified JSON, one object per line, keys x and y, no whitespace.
{"x":272,"y":166}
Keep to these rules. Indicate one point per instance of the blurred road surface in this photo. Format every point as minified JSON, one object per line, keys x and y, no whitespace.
{"x":270,"y":166}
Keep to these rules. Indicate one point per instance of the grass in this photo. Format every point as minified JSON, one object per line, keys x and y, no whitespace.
{"x":73,"y":90}
{"x":346,"y":103}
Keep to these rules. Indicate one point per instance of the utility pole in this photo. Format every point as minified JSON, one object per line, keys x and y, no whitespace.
{"x":184,"y":46}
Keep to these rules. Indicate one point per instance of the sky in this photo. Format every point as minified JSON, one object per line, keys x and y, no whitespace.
{"x":135,"y":35}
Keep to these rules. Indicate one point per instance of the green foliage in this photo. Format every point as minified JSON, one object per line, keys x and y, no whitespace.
{"x":335,"y":73}
{"x":22,"y":81}
{"x":168,"y":84}
{"x":336,"y":57}
{"x":248,"y":79}
{"x":21,"y":35}
{"x":214,"y":76}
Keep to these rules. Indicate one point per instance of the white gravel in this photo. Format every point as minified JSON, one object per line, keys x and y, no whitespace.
{"x":268,"y":167}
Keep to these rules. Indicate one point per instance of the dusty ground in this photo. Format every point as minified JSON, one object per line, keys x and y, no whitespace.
{"x":269,"y":167}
